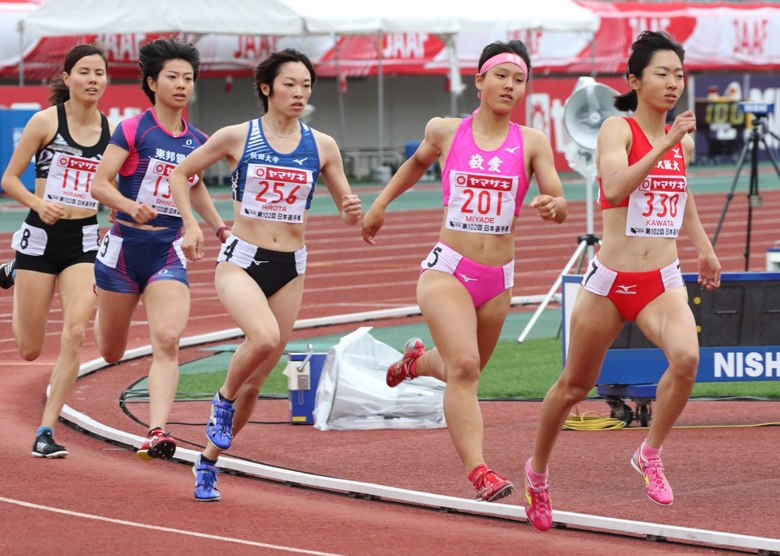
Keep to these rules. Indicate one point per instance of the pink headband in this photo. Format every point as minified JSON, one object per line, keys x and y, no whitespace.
{"x":504,"y":58}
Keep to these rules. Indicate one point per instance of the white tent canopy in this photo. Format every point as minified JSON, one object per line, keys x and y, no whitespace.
{"x":440,"y":16}
{"x":295,"y":17}
{"x":230,"y":17}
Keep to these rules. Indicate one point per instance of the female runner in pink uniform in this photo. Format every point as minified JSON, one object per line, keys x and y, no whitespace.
{"x":465,"y":286}
{"x":641,"y":163}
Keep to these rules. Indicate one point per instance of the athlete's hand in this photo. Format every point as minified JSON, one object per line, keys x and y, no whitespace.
{"x":111,"y":217}
{"x":350,"y":208}
{"x":684,"y":124}
{"x":372,"y":222}
{"x":545,"y":206}
{"x":49,"y":212}
{"x":142,"y":213}
{"x":192,"y":243}
{"x":709,"y":271}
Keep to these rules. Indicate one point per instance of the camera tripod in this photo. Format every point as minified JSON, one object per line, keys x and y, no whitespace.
{"x":754,"y":198}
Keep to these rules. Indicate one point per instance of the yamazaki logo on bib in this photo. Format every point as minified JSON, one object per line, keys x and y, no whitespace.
{"x":70,"y":181}
{"x":281,"y":174}
{"x":163,"y":169}
{"x":73,"y":163}
{"x":663,"y":184}
{"x":484,"y":182}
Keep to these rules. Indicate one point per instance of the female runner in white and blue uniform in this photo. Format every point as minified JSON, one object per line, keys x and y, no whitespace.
{"x":57,"y":243}
{"x":140,"y":256}
{"x":259,"y":278}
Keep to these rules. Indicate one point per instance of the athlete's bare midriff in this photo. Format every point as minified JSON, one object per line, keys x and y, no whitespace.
{"x":68,"y":212}
{"x":632,"y":254}
{"x":276,"y":236}
{"x":486,"y":249}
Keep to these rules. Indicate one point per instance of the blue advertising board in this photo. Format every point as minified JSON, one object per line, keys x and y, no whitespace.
{"x":12,"y":122}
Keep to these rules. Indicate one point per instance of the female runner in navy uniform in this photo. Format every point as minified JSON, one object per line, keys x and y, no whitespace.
{"x":59,"y":238}
{"x":642,"y":164}
{"x":140,"y":256}
{"x":465,"y":285}
{"x":259,"y":278}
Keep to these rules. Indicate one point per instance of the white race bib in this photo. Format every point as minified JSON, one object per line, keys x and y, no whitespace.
{"x":70,"y":181}
{"x":30,"y":240}
{"x":110,"y":247}
{"x":656,"y":207}
{"x":155,"y":191}
{"x":481,"y":203}
{"x":276,"y":193}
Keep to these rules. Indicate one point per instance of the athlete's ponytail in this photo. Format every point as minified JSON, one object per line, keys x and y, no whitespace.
{"x":642,"y":51}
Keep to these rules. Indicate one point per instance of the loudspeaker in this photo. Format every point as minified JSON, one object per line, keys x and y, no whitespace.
{"x":586,"y":109}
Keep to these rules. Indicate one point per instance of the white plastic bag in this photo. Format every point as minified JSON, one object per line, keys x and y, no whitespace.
{"x":352,"y":393}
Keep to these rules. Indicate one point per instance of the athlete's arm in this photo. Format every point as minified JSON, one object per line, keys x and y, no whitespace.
{"x":218,"y":146}
{"x":618,"y":179}
{"x":332,"y":170}
{"x":203,"y":205}
{"x":550,"y":204}
{"x":437,"y":133}
{"x":709,"y":266}
{"x":104,"y":191}
{"x":37,"y":133}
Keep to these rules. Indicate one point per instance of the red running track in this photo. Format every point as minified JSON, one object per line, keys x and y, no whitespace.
{"x":103,"y":499}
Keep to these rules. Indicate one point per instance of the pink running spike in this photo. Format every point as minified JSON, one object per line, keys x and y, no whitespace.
{"x":656,"y":485}
{"x":537,"y":503}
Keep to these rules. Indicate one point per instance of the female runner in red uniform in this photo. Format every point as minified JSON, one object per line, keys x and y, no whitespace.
{"x":642,"y":165}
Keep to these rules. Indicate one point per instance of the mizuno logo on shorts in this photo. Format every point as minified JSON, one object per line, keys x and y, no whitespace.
{"x":467,"y":279}
{"x":626,"y":290}
{"x":260,"y":262}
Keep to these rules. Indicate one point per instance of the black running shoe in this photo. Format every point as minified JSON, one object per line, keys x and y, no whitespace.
{"x":45,"y":447}
{"x":7,"y":274}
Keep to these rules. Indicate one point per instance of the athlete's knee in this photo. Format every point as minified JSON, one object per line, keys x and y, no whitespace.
{"x":110,"y":354}
{"x":110,"y":351}
{"x":464,"y":368}
{"x":684,"y":361}
{"x":29,"y":351}
{"x":570,"y":392}
{"x":260,"y":347}
{"x":30,"y":345}
{"x":73,"y":337}
{"x":166,"y":342}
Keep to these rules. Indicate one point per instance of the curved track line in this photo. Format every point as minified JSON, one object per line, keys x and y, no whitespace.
{"x":371,"y":491}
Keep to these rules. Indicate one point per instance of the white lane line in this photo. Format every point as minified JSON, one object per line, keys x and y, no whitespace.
{"x":167,"y":529}
{"x":608,"y":524}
